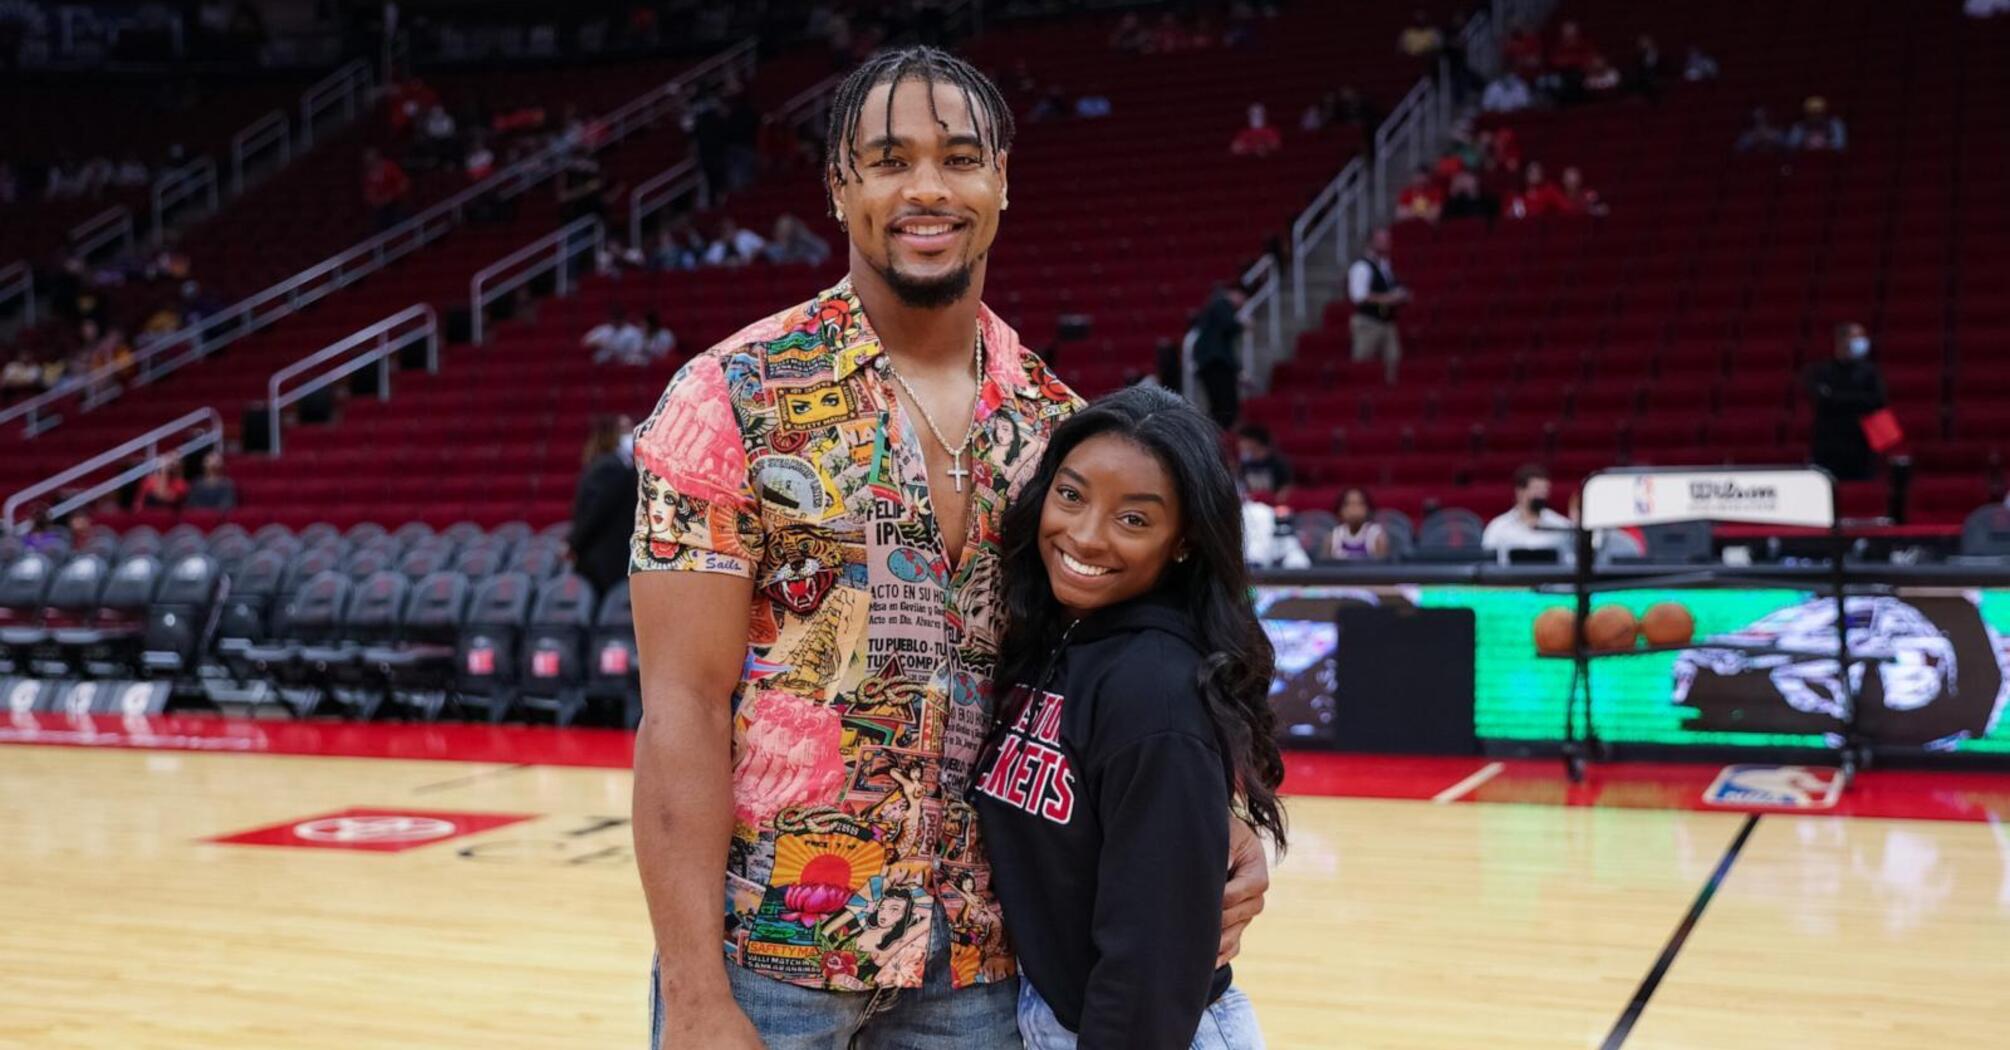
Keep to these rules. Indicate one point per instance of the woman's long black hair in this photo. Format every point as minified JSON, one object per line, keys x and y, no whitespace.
{"x":1212,"y":585}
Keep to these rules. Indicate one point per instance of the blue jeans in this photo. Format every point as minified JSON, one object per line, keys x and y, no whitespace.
{"x":930,"y":1017}
{"x":1230,"y":1024}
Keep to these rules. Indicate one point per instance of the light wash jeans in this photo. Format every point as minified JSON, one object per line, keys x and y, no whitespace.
{"x":930,"y":1017}
{"x":1230,"y":1024}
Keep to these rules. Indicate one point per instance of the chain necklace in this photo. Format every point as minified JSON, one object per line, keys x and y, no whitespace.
{"x":957,"y":472}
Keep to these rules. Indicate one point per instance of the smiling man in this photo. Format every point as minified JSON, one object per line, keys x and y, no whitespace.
{"x":816,"y":593}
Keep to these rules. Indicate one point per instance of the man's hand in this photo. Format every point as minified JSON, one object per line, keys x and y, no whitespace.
{"x":705,"y":1026}
{"x":1248,"y":881}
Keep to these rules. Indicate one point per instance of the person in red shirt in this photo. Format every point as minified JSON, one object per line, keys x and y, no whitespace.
{"x":1573,"y":52}
{"x":385,"y":188}
{"x":1258,"y":138}
{"x":1422,"y":199}
{"x":1583,"y":200}
{"x":1523,"y":52}
{"x":165,"y":489}
{"x":1538,"y":197}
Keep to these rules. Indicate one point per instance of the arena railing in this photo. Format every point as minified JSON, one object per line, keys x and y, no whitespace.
{"x":203,"y":428}
{"x":268,"y":134}
{"x":348,"y":89}
{"x":1338,"y":213}
{"x":163,"y":355}
{"x":558,"y":253}
{"x":112,"y":226}
{"x":1263,"y":282}
{"x":177,"y":187}
{"x":416,"y":324}
{"x":17,"y":281}
{"x":683,"y":180}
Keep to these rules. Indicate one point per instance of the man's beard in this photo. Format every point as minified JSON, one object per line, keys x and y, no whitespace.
{"x":933,"y":293}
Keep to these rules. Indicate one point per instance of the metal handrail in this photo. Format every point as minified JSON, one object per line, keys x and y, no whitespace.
{"x":1262,"y":281}
{"x":1404,"y":123}
{"x":114,"y":224}
{"x":382,"y":343}
{"x":347,"y":86}
{"x":149,"y":443}
{"x":655,"y":193}
{"x":152,"y":359}
{"x":17,"y":280}
{"x":173,"y":187}
{"x":1339,"y":209}
{"x":262,"y":134}
{"x":554,"y":251}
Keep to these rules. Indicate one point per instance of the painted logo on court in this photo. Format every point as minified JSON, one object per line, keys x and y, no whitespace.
{"x":1775,"y":787}
{"x":373,"y":830}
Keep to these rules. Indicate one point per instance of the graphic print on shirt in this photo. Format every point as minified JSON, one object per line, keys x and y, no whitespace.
{"x":783,"y":456}
{"x":1029,"y":771}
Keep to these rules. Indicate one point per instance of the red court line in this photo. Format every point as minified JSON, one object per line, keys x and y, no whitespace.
{"x":1901,"y":794}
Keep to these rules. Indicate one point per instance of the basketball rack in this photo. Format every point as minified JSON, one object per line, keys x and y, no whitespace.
{"x":1802,"y":497}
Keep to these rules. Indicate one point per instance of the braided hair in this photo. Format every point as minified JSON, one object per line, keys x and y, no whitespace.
{"x":931,"y":66}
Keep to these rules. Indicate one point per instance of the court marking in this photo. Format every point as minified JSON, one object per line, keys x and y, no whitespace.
{"x":1467,"y":786}
{"x":472,"y":778}
{"x":1631,"y":1016}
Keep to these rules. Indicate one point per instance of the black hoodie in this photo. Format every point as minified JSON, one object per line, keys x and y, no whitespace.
{"x":1105,"y":813}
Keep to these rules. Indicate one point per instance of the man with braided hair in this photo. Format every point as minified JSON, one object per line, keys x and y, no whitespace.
{"x":883,"y":426}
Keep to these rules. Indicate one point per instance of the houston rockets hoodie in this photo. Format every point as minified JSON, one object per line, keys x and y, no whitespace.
{"x":1104,"y":803}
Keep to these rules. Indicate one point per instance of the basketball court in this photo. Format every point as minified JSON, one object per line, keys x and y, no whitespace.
{"x":186,"y":882}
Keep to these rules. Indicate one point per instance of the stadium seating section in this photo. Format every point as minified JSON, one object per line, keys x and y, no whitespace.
{"x":1674,"y":331}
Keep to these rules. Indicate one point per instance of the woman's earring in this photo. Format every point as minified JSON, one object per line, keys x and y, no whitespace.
{"x":1180,"y":557}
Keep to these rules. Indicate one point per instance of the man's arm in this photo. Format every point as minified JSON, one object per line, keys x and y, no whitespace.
{"x":683,"y":806}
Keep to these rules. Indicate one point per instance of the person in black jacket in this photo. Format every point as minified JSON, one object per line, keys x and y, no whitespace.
{"x":1134,"y":715}
{"x":1845,"y":389}
{"x":1217,"y":353}
{"x":603,"y":507}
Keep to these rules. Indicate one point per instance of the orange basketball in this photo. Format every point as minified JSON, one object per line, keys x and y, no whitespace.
{"x":1554,"y":630}
{"x":1667,"y":623}
{"x":1610,"y":628}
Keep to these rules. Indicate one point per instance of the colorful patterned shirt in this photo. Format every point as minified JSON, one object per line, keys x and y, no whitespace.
{"x":782,"y":455}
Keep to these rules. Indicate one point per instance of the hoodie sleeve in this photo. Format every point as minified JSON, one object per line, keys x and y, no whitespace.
{"x":1163,"y":803}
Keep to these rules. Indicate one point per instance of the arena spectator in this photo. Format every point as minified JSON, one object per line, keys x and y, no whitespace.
{"x":1698,"y":66}
{"x":1569,"y":62}
{"x":1818,"y":130}
{"x":603,"y":505}
{"x":793,"y":243}
{"x":657,"y":340}
{"x":1377,"y":297}
{"x":1422,"y":199}
{"x":1093,"y":106}
{"x":1355,"y":110}
{"x":1601,"y":80}
{"x":734,"y":246}
{"x":1467,"y":198}
{"x":42,"y":535}
{"x":1522,"y":52}
{"x":1583,"y":200}
{"x":1216,"y":338}
{"x":1508,"y":93}
{"x":1531,"y":524}
{"x":1358,"y":536}
{"x":617,"y":339}
{"x":213,"y":489}
{"x":1845,"y":389}
{"x":1761,"y":135}
{"x":1257,"y":138}
{"x":1644,"y":74}
{"x":1538,"y":197}
{"x":1130,"y":36}
{"x":20,"y":378}
{"x":165,"y":489}
{"x":1262,"y":472}
{"x":385,"y":189}
{"x":1420,"y":39}
{"x":679,"y":246}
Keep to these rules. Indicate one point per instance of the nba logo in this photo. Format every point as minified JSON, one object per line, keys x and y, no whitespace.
{"x":1643,"y":494}
{"x":614,"y":660}
{"x":482,"y":661}
{"x":1775,"y":787}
